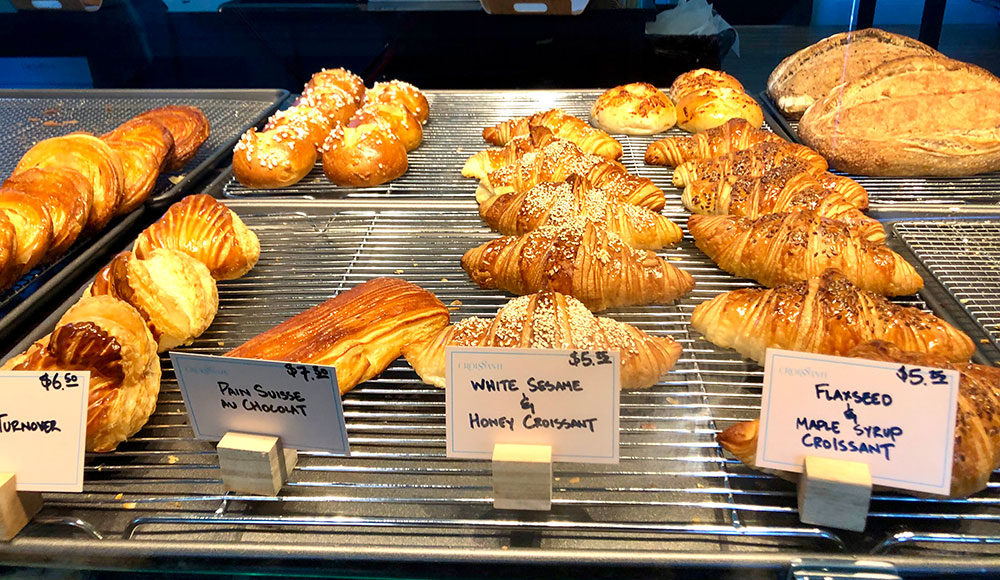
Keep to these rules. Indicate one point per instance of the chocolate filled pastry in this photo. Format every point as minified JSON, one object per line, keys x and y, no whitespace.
{"x":401,"y":93}
{"x":32,"y":226}
{"x":359,"y":331}
{"x":363,"y":155}
{"x":403,"y":124}
{"x":276,"y":158}
{"x":95,"y":160}
{"x":66,"y":195}
{"x":144,"y":145}
{"x":700,"y":79}
{"x":334,"y":102}
{"x":633,"y":109}
{"x":206,"y":230}
{"x":187,"y":125}
{"x":341,"y":78}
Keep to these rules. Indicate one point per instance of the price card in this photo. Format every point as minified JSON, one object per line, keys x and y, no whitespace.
{"x":899,"y":419}
{"x":43,"y":428}
{"x":300,"y":403}
{"x":564,"y":398}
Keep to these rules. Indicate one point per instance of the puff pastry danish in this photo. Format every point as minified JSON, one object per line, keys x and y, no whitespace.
{"x":189,"y":128}
{"x":66,"y":195}
{"x":32,"y":227}
{"x":144,"y":145}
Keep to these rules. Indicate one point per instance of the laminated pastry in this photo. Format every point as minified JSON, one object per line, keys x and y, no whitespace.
{"x":826,"y":315}
{"x":811,"y":74}
{"x":702,"y":110}
{"x":549,"y":320}
{"x":66,"y":195}
{"x":359,"y":331}
{"x":109,"y":338}
{"x":977,"y":432}
{"x":562,"y":125}
{"x":363,"y":154}
{"x":144,"y":145}
{"x":206,"y":230}
{"x":578,"y":259}
{"x":9,"y":267}
{"x":341,"y":78}
{"x":780,"y":248}
{"x":733,"y":135}
{"x":919,"y":115}
{"x":700,"y":79}
{"x":633,"y":109}
{"x":189,"y":128}
{"x":401,"y":122}
{"x":400,"y":93}
{"x":484,"y":162}
{"x":173,"y":292}
{"x":92,"y":158}
{"x":276,"y":158}
{"x":558,"y":203}
{"x":32,"y":227}
{"x":752,"y":162}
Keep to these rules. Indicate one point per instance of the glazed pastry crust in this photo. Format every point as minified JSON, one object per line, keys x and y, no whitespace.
{"x":144,"y":146}
{"x":752,"y":162}
{"x":563,"y":126}
{"x":365,"y":155}
{"x":66,"y":195}
{"x":733,"y":135}
{"x":189,"y":128}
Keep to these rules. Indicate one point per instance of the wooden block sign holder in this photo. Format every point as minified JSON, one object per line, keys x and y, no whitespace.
{"x":834,"y":493}
{"x":522,"y":477}
{"x":254,"y":464}
{"x":16,"y":508}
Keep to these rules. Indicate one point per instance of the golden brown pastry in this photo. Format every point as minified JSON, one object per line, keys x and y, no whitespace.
{"x":9,"y":267}
{"x":562,"y":125}
{"x":698,"y":80}
{"x":206,"y":230}
{"x":403,"y":124}
{"x":66,"y":195}
{"x":401,"y":93}
{"x":710,"y":108}
{"x":559,"y":203}
{"x":787,"y":247}
{"x":752,"y":162}
{"x":827,"y":315}
{"x":144,"y":145}
{"x":173,"y":292}
{"x":484,"y":162}
{"x":363,"y":155}
{"x":977,"y":432}
{"x":109,"y":338}
{"x":360,"y":331}
{"x":187,"y":125}
{"x":95,"y":160}
{"x":32,"y":226}
{"x":276,"y":158}
{"x":919,"y":115}
{"x":733,"y":135}
{"x":578,"y":259}
{"x":341,"y":78}
{"x":302,"y":122}
{"x":633,"y":109}
{"x":334,"y":102}
{"x":549,"y":320}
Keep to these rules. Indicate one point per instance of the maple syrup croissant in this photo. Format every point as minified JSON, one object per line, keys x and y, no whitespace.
{"x":359,"y":331}
{"x":733,"y":135}
{"x":549,"y":320}
{"x":787,"y":247}
{"x":751,"y":162}
{"x":977,"y":427}
{"x":826,"y":315}
{"x":581,"y":260}
{"x":562,"y":125}
{"x":518,"y":213}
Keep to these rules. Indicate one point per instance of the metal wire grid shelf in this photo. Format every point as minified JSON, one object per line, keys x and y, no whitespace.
{"x":398,"y":488}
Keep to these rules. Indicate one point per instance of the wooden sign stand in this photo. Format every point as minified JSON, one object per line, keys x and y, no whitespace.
{"x":254,"y":464}
{"x":16,"y":508}
{"x":835,"y":493}
{"x":522,"y":477}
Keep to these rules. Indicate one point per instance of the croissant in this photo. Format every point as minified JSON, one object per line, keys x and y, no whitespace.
{"x":33,"y":230}
{"x":189,"y":128}
{"x":66,"y":195}
{"x":515,"y":214}
{"x":977,"y":426}
{"x":787,"y":247}
{"x":206,"y":230}
{"x":487,"y":161}
{"x":173,"y":292}
{"x":9,"y":268}
{"x":560,"y":159}
{"x":581,"y":260}
{"x":564,"y":126}
{"x":108,"y":338}
{"x":752,"y":162}
{"x":144,"y":145}
{"x":549,"y":320}
{"x":827,"y":315}
{"x":733,"y":135}
{"x":360,"y":331}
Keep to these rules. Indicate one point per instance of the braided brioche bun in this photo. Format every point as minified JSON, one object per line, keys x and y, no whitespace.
{"x":402,"y":93}
{"x":363,"y":155}
{"x":276,"y":158}
{"x":308,"y":122}
{"x":341,"y":78}
{"x":402,"y":123}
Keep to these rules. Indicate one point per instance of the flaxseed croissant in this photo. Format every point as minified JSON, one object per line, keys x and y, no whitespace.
{"x":581,"y":260}
{"x":564,"y":126}
{"x":733,"y":135}
{"x":752,"y":162}
{"x":549,"y":320}
{"x":787,"y":247}
{"x":827,"y":315}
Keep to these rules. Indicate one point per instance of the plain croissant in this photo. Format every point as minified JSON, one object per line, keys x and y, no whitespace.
{"x":581,"y":260}
{"x":563,"y":125}
{"x":550,"y":320}
{"x":548,"y":203}
{"x":733,"y":135}
{"x":787,"y":247}
{"x":827,"y":315}
{"x":751,"y":162}
{"x":559,"y":159}
{"x":977,"y":426}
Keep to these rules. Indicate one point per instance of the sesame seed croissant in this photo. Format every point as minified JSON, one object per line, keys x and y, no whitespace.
{"x":564,"y":126}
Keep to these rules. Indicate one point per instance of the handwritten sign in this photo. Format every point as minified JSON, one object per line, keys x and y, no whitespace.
{"x":298,"y":402}
{"x":566,"y":399}
{"x":43,"y":428}
{"x":899,"y":419}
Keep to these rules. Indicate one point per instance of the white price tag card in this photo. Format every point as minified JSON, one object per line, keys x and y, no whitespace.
{"x":43,"y":428}
{"x":563,"y":398}
{"x":899,"y":419}
{"x":300,"y":403}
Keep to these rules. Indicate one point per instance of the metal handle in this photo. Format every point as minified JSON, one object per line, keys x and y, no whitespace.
{"x":842,"y":570}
